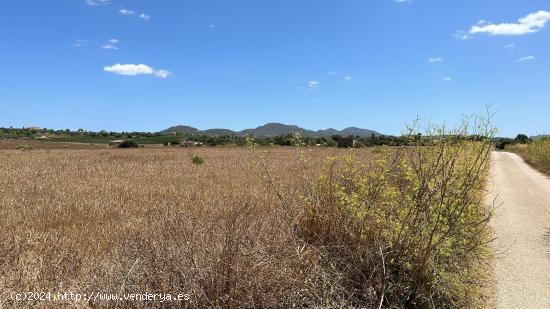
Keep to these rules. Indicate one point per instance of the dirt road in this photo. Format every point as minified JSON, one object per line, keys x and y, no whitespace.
{"x":522,"y":227}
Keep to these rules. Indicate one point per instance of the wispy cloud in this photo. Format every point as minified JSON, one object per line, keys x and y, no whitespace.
{"x":136,"y":69}
{"x":527,"y":58}
{"x":435,"y":60}
{"x":162,"y":73}
{"x":97,"y":2}
{"x":134,"y":13}
{"x":111,"y":45}
{"x":402,"y":1}
{"x":80,"y":43}
{"x":312,"y":84}
{"x":447,"y":78}
{"x":462,"y":35}
{"x":331,"y":73}
{"x":127,"y":12}
{"x":511,"y":45}
{"x":349,"y":80}
{"x":528,"y":24}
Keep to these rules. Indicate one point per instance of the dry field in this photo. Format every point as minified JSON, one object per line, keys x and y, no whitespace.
{"x":79,"y":220}
{"x":13,"y":144}
{"x":536,"y":153}
{"x":150,"y":221}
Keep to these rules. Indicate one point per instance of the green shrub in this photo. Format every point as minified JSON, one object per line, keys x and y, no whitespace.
{"x":128,"y":144}
{"x":407,"y":229}
{"x":377,"y":150}
{"x":502,"y":143}
{"x":197,"y":160}
{"x":24,"y":147}
{"x":521,"y":139}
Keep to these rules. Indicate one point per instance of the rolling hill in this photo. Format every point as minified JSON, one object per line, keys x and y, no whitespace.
{"x":274,"y":129}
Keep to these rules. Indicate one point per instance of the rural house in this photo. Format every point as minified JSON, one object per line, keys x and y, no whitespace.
{"x":347,"y":143}
{"x":115,"y":143}
{"x":191,"y":143}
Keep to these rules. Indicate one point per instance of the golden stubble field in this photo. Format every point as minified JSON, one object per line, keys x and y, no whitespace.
{"x":148,"y":220}
{"x":261,"y":227}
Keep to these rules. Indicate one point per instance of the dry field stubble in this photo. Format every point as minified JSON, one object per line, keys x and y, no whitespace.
{"x":148,"y":220}
{"x":12,"y":144}
{"x":536,"y":153}
{"x":391,"y":227}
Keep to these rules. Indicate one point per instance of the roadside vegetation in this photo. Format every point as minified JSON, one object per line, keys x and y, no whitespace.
{"x":535,"y":152}
{"x":262,"y":227}
{"x":503,"y":143}
{"x":407,"y":228}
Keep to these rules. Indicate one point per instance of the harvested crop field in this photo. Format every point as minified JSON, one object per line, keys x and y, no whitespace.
{"x":239,"y":228}
{"x":13,"y":144}
{"x":79,"y":220}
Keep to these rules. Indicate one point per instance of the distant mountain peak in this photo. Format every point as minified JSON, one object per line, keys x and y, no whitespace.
{"x":272,"y":129}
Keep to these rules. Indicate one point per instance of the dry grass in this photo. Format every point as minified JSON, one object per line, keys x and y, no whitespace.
{"x":77,"y":220}
{"x":536,"y":153}
{"x":149,"y":220}
{"x":12,"y":144}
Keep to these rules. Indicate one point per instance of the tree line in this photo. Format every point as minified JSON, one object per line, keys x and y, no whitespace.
{"x":229,"y":140}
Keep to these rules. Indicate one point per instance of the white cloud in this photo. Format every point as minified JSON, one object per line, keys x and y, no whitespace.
{"x":162,"y":73}
{"x":447,"y":79}
{"x":127,"y":12}
{"x":403,"y":1}
{"x":434,"y":60}
{"x":133,"y":13}
{"x":97,"y":2}
{"x":349,"y":80}
{"x":528,"y":24}
{"x":136,"y":69}
{"x":109,"y":46}
{"x":528,"y":58}
{"x":211,"y":26}
{"x":80,"y":43}
{"x":462,"y":35}
{"x":511,"y":45}
{"x":129,"y":69}
{"x":331,"y":73}
{"x":312,"y":84}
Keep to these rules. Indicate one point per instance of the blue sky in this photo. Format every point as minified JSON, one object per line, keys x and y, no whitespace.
{"x":143,"y":65}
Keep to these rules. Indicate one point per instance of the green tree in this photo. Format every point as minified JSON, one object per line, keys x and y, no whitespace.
{"x":521,"y":139}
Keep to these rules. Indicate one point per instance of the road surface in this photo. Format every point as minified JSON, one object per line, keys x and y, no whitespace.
{"x":522,"y":227}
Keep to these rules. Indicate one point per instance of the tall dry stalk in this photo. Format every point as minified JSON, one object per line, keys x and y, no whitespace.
{"x":407,"y":228}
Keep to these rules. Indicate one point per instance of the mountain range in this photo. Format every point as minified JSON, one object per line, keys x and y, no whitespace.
{"x":274,"y":129}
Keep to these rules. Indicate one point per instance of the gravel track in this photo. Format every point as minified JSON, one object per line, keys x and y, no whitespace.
{"x":522,"y":227}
